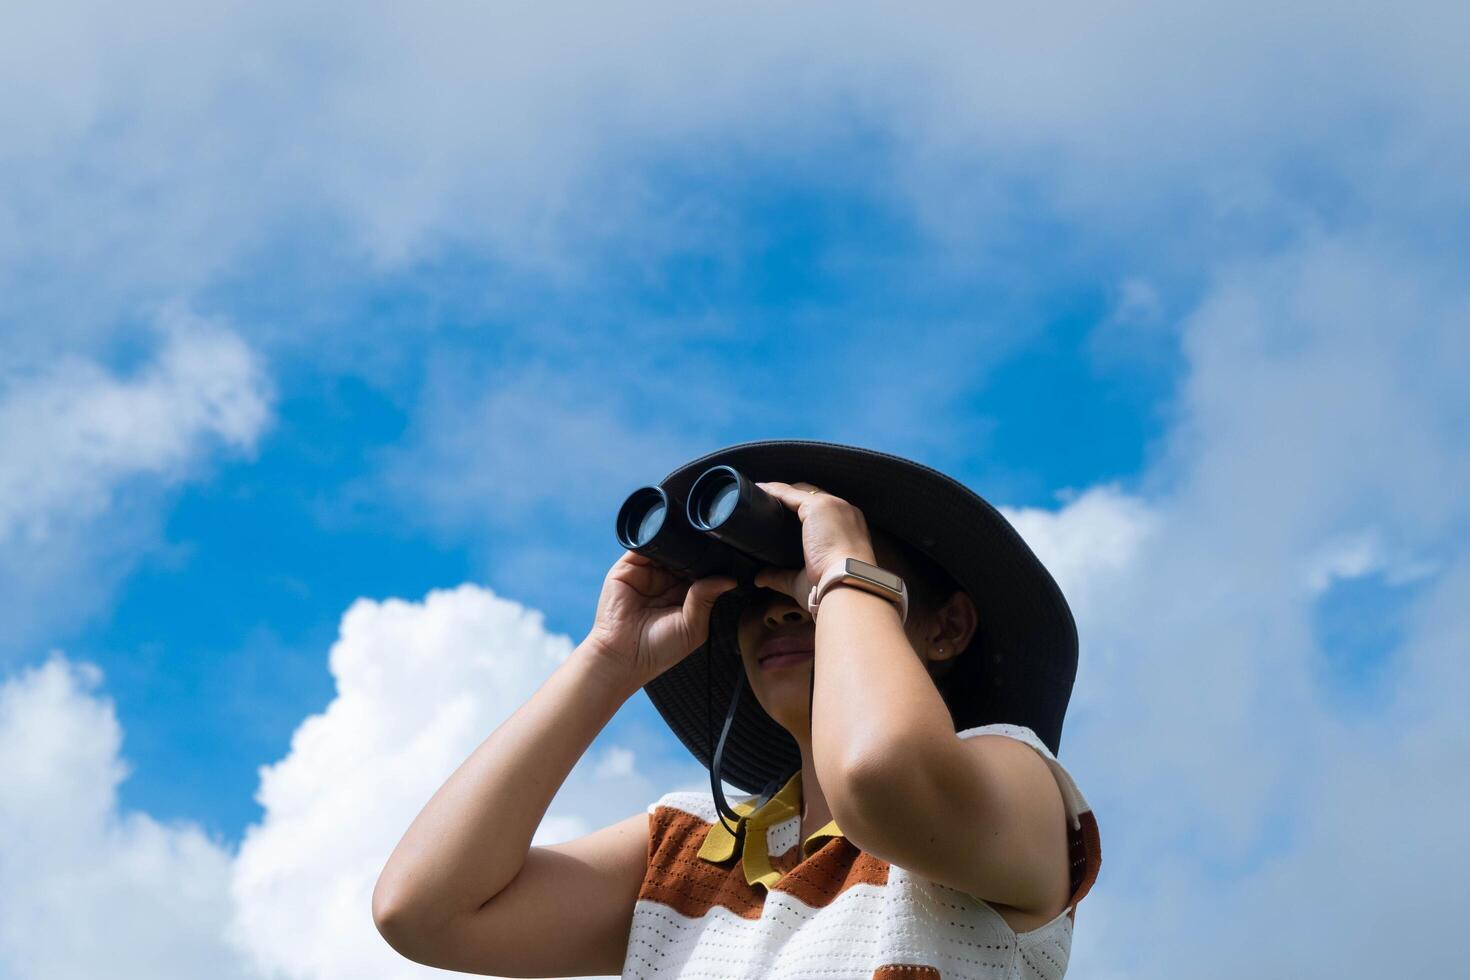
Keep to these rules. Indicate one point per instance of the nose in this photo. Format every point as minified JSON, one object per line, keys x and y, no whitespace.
{"x":783,"y":612}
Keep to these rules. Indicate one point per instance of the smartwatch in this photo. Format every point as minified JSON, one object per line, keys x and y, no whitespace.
{"x":865,"y":576}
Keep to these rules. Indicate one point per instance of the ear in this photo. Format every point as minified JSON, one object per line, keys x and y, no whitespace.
{"x":953,"y":626}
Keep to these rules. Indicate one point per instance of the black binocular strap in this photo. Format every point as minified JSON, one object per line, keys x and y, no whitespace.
{"x":717,"y":793}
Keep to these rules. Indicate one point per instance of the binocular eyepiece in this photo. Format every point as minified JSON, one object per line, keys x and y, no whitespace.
{"x":727,"y":526}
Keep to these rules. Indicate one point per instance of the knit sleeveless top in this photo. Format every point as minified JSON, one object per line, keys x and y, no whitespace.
{"x":821,"y":909}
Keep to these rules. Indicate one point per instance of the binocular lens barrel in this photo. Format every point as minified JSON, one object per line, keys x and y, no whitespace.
{"x":642,"y":517}
{"x":713,"y":498}
{"x":652,"y":524}
{"x":729,"y":526}
{"x":727,"y":504}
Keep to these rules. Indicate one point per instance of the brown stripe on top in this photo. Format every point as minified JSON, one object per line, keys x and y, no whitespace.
{"x":906,"y":971}
{"x":679,"y":878}
{"x":783,"y":863}
{"x":1086,"y":852}
{"x":831,"y":870}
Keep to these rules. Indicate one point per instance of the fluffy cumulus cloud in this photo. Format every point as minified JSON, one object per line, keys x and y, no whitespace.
{"x":84,"y":450}
{"x":110,"y":893}
{"x":89,"y":891}
{"x":419,"y":686}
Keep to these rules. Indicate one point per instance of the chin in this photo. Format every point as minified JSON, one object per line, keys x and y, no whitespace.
{"x":787,"y":707}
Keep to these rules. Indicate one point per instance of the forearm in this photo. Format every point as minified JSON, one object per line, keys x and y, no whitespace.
{"x":872,"y":695}
{"x":471,"y":838}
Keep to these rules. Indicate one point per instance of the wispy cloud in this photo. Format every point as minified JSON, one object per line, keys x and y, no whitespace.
{"x":1229,"y":782}
{"x":153,"y":154}
{"x":82,"y":445}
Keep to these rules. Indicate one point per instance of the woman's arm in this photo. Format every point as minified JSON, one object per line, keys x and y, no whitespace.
{"x":436,"y":899}
{"x":982,"y":815}
{"x":472,"y":837}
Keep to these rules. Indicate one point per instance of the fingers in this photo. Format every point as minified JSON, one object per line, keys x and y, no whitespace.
{"x":786,"y":493}
{"x":781,"y":579}
{"x":793,"y":495}
{"x":700,"y":600}
{"x":649,"y":580}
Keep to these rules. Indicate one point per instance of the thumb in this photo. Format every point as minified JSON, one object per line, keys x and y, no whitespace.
{"x":701,"y":598}
{"x":782,"y":580}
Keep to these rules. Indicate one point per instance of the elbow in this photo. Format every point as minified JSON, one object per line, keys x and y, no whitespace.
{"x":868,"y":790}
{"x":400,"y":921}
{"x":390,"y":917}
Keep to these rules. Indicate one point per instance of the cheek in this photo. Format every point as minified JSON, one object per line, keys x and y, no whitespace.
{"x":747,"y":631}
{"x":744,"y":641}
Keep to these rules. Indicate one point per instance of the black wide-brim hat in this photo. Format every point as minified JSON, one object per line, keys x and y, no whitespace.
{"x":1018,"y":668}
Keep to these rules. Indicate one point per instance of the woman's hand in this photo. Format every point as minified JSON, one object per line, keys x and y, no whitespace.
{"x":831,"y":529}
{"x":648,"y":619}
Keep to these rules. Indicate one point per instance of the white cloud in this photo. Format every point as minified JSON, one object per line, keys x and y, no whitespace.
{"x":71,"y":434}
{"x":1096,"y":535}
{"x":93,"y":891}
{"x":1362,"y":553}
{"x":1230,"y":795}
{"x":616,"y":762}
{"x":84,"y":452}
{"x":419,"y":686}
{"x":1320,"y":432}
{"x":89,"y":891}
{"x":148,"y":153}
{"x":1233,"y":796}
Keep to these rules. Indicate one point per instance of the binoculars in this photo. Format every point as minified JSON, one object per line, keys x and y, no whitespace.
{"x":727,"y":526}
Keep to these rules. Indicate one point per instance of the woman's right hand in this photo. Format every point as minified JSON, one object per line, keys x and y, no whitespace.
{"x":648,"y":619}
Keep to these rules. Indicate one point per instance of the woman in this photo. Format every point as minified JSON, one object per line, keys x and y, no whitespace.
{"x":921,"y":827}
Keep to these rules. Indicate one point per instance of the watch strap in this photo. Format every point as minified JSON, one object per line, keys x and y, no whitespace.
{"x":838,"y":574}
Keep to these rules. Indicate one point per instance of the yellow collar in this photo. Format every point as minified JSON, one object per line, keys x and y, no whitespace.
{"x":720,"y":845}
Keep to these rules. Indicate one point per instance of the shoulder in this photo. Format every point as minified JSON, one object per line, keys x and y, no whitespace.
{"x":1009,"y":739}
{"x":1083,"y":843}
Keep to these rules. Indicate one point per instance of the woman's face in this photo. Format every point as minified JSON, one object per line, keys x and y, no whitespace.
{"x":782,"y":683}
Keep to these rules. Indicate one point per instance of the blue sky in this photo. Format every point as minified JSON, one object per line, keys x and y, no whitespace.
{"x":331,"y":341}
{"x":214,"y":643}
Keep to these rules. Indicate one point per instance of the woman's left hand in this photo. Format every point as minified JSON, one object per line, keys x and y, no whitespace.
{"x":831,"y":529}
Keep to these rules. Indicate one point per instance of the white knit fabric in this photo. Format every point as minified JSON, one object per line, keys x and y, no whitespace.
{"x":783,"y":836}
{"x":908,"y":921}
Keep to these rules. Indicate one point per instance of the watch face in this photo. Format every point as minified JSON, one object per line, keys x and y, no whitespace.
{"x":884,"y":578}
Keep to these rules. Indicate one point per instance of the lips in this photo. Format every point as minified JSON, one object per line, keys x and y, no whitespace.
{"x":803,"y":642}
{"x":780,"y":661}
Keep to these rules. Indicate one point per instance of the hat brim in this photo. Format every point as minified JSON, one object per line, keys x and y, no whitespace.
{"x":1019,"y":667}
